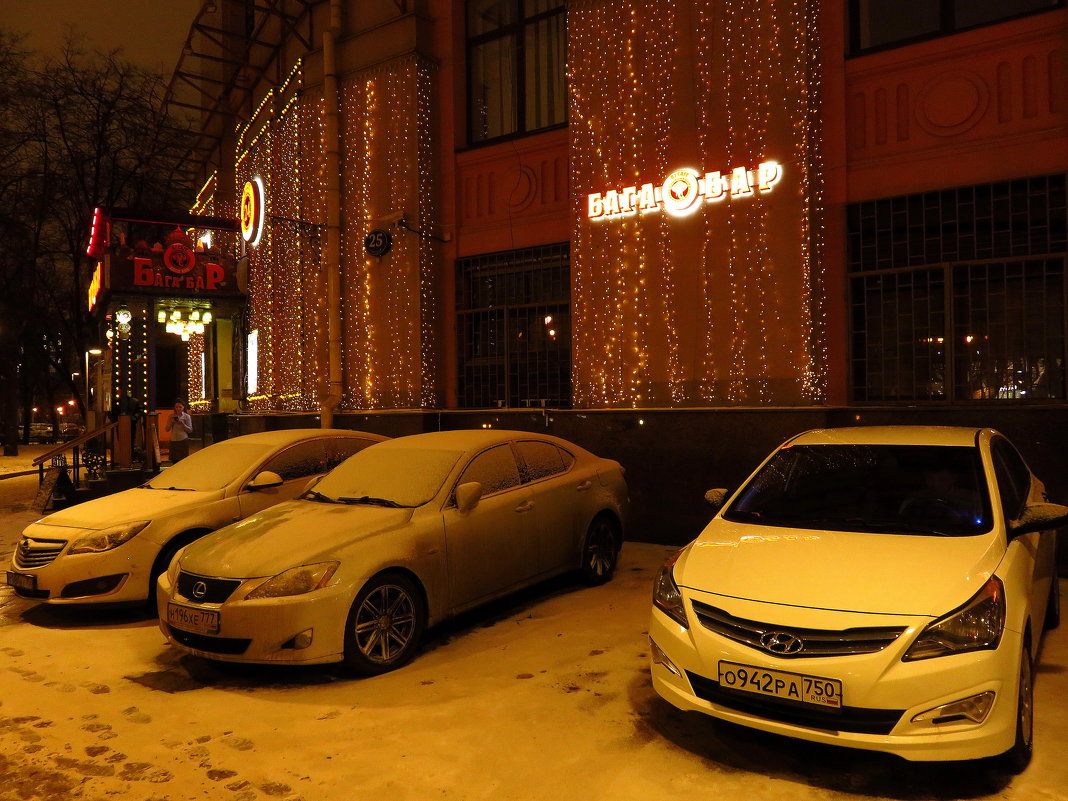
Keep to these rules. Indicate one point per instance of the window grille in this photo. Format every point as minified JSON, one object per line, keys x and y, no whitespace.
{"x":959,"y":295}
{"x":514,"y":329}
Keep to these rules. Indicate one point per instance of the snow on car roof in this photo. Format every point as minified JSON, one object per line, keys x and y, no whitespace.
{"x":287,"y":435}
{"x":466,"y":439}
{"x":890,"y":435}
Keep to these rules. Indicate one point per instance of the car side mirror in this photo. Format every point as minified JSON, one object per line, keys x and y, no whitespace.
{"x":468,"y":495}
{"x":1039,"y":517}
{"x":264,"y":480}
{"x":716,"y":498}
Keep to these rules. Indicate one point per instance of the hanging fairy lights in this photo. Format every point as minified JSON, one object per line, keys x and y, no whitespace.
{"x":701,"y":290}
{"x":388,"y":355}
{"x":285,"y":281}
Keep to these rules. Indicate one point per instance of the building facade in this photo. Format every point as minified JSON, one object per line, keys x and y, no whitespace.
{"x":674,"y":231}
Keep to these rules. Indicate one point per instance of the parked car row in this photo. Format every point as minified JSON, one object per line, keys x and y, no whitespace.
{"x":881,"y":588}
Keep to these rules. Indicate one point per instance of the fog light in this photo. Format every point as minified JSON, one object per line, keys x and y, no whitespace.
{"x":974,"y":709}
{"x":660,"y":658}
{"x":299,"y":641}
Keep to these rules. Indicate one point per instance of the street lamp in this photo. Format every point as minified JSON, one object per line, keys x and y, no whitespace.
{"x":94,"y":352}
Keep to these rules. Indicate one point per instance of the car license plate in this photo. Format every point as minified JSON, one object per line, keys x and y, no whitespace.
{"x":22,"y":582}
{"x":780,"y":684}
{"x":202,"y":621}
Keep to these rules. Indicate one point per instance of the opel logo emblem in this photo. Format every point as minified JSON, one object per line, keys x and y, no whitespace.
{"x":200,"y":589}
{"x":781,"y":643}
{"x":24,"y":547}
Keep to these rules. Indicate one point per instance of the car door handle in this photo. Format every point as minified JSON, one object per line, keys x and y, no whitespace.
{"x":525,"y":506}
{"x":585,"y":485}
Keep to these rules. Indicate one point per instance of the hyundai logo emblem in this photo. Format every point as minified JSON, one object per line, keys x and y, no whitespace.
{"x":200,"y":589}
{"x":781,"y":643}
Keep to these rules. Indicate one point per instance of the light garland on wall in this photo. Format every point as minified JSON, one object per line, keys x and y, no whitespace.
{"x":746,"y":309}
{"x":389,"y":354}
{"x":286,"y":281}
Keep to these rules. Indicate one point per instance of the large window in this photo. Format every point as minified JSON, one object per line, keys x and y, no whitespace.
{"x":516,"y":55}
{"x":876,"y":24}
{"x":959,"y":295}
{"x":514,"y":329}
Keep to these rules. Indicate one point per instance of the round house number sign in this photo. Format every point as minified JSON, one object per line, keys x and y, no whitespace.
{"x":378,"y":242}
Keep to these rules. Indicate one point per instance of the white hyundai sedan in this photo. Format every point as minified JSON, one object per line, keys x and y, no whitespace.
{"x":882,"y":588}
{"x":398,"y":537}
{"x":111,"y":549}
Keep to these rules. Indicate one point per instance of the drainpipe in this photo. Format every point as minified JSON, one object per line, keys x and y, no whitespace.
{"x":332,"y":127}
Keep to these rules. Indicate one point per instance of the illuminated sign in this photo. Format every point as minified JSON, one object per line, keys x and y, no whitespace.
{"x":252,"y":211}
{"x":683,"y":191}
{"x":95,"y":284}
{"x":98,"y":235}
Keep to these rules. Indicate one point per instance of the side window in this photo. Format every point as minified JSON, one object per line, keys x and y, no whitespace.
{"x":302,"y":460}
{"x":1013,"y":477}
{"x":494,"y":469}
{"x":338,"y":450}
{"x":540,"y":459}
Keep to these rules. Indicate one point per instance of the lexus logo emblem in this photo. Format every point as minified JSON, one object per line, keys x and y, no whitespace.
{"x":781,"y":643}
{"x":200,"y":589}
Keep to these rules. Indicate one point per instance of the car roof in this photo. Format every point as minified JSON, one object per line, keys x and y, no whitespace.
{"x":959,"y":436}
{"x":288,"y":436}
{"x":469,"y":439}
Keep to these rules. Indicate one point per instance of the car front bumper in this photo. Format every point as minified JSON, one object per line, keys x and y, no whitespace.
{"x":264,"y":631}
{"x":881,"y":695}
{"x":119,"y":575}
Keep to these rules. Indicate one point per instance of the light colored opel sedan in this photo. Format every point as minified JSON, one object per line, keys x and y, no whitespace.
{"x":111,"y":549}
{"x":882,"y":588}
{"x":397,"y":538}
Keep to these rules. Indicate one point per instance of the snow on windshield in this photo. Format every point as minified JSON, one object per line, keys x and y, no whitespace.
{"x":211,"y":468}
{"x":908,"y":489}
{"x":406,"y":476}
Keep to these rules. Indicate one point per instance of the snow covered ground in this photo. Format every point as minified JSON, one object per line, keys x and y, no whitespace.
{"x":543,"y":696}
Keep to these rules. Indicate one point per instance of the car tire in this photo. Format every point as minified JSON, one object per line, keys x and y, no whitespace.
{"x":163,"y":561}
{"x":1053,"y":610}
{"x":1019,"y":756}
{"x":600,"y":550}
{"x":385,"y":625}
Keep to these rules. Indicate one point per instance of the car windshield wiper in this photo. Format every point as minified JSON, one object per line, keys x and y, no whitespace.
{"x":367,"y":499}
{"x":176,"y":489}
{"x":866,"y":525}
{"x":312,"y":495}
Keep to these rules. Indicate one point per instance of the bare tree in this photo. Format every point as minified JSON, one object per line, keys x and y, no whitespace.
{"x":89,"y":132}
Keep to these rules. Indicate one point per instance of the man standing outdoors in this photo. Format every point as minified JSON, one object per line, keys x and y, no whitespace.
{"x":180,"y":427}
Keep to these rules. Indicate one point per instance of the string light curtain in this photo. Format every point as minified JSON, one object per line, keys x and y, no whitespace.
{"x":282,"y":145}
{"x":388,"y":320}
{"x":718,"y":305}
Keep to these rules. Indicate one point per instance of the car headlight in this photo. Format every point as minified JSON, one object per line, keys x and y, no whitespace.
{"x":175,"y":567}
{"x":106,"y":539}
{"x":296,"y":581}
{"x":666,"y":595}
{"x":974,"y":627}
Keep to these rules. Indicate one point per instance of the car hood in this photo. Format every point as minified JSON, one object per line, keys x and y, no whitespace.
{"x":287,"y":535}
{"x":132,"y":504}
{"x":839,"y":570}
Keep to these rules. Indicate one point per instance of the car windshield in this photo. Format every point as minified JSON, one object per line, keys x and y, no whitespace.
{"x":388,"y":476}
{"x":893,"y":489}
{"x":211,"y":468}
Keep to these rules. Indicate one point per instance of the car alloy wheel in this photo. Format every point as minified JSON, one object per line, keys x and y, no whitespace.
{"x":600,"y":551}
{"x":385,"y":625}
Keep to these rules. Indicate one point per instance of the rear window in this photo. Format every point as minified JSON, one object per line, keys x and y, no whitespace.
{"x":896,"y":489}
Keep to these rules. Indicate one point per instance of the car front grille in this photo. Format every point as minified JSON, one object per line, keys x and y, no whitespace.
{"x":214,"y":645}
{"x":844,"y":719}
{"x":205,"y":589}
{"x":812,"y":642}
{"x":30,"y":553}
